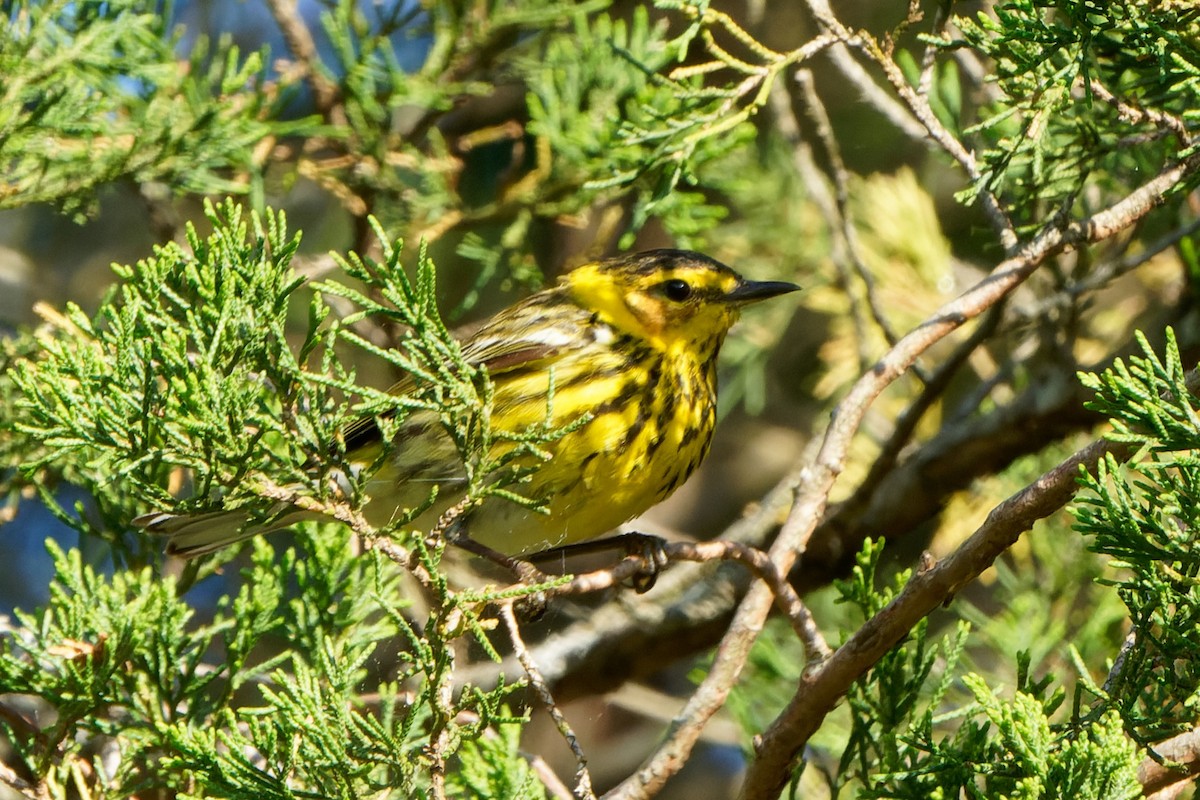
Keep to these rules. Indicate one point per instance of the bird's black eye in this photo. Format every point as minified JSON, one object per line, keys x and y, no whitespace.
{"x":677,"y":290}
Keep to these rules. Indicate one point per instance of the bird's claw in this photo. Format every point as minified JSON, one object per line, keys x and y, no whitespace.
{"x":531,"y":607}
{"x":652,"y":552}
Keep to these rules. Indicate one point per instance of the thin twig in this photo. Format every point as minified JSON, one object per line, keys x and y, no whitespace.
{"x":344,"y":513}
{"x":840,"y":177}
{"x":1135,"y":115}
{"x":918,"y":107}
{"x":786,"y":599}
{"x":688,"y":597}
{"x":302,"y":47}
{"x":583,"y":778}
{"x":935,"y":387}
{"x":929,"y":57}
{"x":817,"y":184}
{"x":1107,"y":272}
{"x":815,"y":647}
{"x":991,"y":205}
{"x":437,"y":766}
{"x":548,"y":777}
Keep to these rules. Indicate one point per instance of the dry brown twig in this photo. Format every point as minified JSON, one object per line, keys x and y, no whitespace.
{"x":549,"y":778}
{"x":583,"y":778}
{"x":302,"y":47}
{"x":353,"y":519}
{"x":840,"y":177}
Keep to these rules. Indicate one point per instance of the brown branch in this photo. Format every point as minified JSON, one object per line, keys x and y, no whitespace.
{"x":894,"y":502}
{"x":770,"y":769}
{"x":342,"y":512}
{"x":815,"y":647}
{"x":1136,"y":115}
{"x":558,"y":790}
{"x":304,"y":50}
{"x":820,"y":690}
{"x":1178,"y":760}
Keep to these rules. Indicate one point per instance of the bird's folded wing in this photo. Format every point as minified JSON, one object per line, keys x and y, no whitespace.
{"x":500,"y":352}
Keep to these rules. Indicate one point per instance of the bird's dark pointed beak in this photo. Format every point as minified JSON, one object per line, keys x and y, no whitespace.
{"x":753,"y":291}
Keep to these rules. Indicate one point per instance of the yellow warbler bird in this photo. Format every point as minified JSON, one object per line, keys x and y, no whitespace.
{"x":630,"y":344}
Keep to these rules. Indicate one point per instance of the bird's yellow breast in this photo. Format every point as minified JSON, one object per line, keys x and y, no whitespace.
{"x":647,"y":430}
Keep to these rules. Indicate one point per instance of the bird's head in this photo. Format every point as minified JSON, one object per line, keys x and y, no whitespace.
{"x":673,"y":299}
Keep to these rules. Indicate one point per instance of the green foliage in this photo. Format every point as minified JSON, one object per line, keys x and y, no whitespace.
{"x":919,"y":729}
{"x":652,"y":146}
{"x":443,"y":382}
{"x":1144,"y":515}
{"x":1058,"y":67}
{"x":901,"y":689}
{"x":186,"y":366}
{"x":1027,"y":757}
{"x":117,"y":104}
{"x":141,"y":700}
{"x":95,"y":93}
{"x":491,"y":766}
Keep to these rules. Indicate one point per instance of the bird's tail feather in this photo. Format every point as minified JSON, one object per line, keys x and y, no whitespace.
{"x":192,"y":535}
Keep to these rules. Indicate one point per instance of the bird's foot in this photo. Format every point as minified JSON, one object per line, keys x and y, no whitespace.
{"x":651,"y":550}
